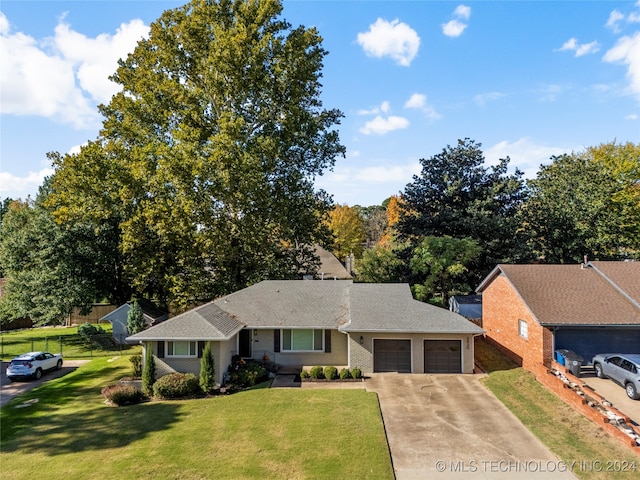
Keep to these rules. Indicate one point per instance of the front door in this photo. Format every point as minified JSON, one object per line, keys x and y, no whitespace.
{"x":245,"y":343}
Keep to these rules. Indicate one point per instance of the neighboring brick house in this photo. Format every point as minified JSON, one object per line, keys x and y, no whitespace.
{"x":533,"y":310}
{"x":301,"y":323}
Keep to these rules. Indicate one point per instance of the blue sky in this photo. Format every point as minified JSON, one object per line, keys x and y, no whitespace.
{"x":526,"y":79}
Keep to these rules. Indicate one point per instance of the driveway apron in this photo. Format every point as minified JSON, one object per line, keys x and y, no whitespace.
{"x":453,"y":427}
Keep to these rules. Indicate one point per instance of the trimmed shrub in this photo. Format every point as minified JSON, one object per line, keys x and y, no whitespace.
{"x":304,"y":374}
{"x":316,"y":372}
{"x":122,"y":395}
{"x":345,"y":374}
{"x":149,"y":373}
{"x":207,"y":370}
{"x":136,"y":365}
{"x":356,"y":372}
{"x":176,"y":385}
{"x":330,"y":372}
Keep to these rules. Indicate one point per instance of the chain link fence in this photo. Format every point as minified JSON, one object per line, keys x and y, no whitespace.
{"x":70,"y":346}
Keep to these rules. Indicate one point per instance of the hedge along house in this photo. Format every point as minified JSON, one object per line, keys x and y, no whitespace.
{"x":298,"y":323}
{"x":533,"y":310}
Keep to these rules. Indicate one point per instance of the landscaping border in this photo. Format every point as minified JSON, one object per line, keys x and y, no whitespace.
{"x":559,"y":380}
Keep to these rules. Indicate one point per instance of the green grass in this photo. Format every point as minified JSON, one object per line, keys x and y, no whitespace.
{"x":567,"y":433}
{"x":63,"y":340}
{"x":263,"y":433}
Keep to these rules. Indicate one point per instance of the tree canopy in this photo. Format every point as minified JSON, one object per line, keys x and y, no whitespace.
{"x":347,"y":229}
{"x":207,"y":157}
{"x":455,"y":195}
{"x":586,"y":203}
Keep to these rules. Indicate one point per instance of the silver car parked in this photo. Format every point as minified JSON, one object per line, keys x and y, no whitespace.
{"x":624,"y":368}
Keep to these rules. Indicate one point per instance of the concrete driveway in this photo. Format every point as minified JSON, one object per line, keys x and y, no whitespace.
{"x":9,"y":389}
{"x":615,"y":394}
{"x":453,"y":427}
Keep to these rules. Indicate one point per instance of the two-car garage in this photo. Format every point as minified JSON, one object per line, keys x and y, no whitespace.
{"x":439,"y":356}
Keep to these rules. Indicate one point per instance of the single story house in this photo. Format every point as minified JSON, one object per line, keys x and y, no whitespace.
{"x":298,"y":323}
{"x":119,"y":318}
{"x":534,"y":310}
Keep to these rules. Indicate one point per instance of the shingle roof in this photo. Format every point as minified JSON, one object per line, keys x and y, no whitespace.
{"x":330,"y":304}
{"x":624,"y":275}
{"x":330,"y":266}
{"x":290,"y":303}
{"x":573,"y":294}
{"x":207,"y":322}
{"x":391,"y":308}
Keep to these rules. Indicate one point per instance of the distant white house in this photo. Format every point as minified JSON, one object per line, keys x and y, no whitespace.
{"x":118,"y":318}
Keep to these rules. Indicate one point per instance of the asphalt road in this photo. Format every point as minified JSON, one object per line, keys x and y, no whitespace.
{"x":9,"y":389}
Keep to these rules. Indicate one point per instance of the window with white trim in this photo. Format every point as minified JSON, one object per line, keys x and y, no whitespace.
{"x":182,"y":349}
{"x":302,"y":340}
{"x":523,"y":329}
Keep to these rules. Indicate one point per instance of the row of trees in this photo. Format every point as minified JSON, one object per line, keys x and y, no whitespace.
{"x":459,"y":218}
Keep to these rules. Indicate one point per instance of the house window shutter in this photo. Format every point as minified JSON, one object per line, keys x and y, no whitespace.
{"x":160,"y":350}
{"x":327,"y":341}
{"x":200,"y":348}
{"x":276,"y":341}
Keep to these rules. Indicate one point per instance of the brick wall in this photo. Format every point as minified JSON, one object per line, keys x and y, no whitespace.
{"x":502,"y":308}
{"x":578,"y":402}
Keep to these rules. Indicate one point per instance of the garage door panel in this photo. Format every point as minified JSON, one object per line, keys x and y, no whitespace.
{"x":392,"y":356}
{"x":442,"y":356}
{"x":588,"y":342}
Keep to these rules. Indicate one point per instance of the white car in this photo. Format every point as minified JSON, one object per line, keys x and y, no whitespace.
{"x":33,"y":364}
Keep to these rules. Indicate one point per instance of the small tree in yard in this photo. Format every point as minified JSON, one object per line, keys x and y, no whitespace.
{"x":149,"y":373}
{"x":135,"y":319}
{"x":207,"y":370}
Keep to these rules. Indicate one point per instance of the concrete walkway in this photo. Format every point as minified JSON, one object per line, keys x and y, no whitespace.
{"x":452,"y":427}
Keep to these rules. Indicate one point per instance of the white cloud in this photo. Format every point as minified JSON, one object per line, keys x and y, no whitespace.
{"x":64,"y":76}
{"x":483,"y":98}
{"x":19,"y":187}
{"x":523,"y":154}
{"x":384,"y":107}
{"x":615,"y":17}
{"x":462,"y":11}
{"x":580,"y":49}
{"x":632,"y":116}
{"x":390,"y":39}
{"x":382,"y":126}
{"x":627,"y":51}
{"x":419,"y":101}
{"x":455,"y":28}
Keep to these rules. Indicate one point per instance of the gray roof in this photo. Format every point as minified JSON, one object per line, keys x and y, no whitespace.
{"x":329,"y":304}
{"x":290,"y":303}
{"x":206,"y":322}
{"x":330,"y":266}
{"x":385,"y":307}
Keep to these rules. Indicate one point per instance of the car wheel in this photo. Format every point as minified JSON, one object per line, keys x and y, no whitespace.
{"x":631,"y":391}
{"x":59,"y":365}
{"x":598,"y":368}
{"x":38,"y":374}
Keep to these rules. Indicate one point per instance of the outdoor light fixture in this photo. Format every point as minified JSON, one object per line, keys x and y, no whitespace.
{"x":255,"y":332}
{"x":361,"y":340}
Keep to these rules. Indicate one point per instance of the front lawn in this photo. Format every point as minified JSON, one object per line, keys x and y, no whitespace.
{"x":265,"y":433}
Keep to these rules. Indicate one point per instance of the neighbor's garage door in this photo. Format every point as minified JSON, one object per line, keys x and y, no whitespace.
{"x":442,"y":356}
{"x":392,"y":356}
{"x":588,"y":342}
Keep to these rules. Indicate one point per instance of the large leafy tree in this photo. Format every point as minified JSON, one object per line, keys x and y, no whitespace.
{"x":456,"y":195}
{"x":442,"y":261}
{"x":347,"y":229}
{"x":50,"y":268}
{"x":208,"y":155}
{"x":586,"y":203}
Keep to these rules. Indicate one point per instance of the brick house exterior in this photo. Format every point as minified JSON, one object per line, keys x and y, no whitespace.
{"x":529,"y":311}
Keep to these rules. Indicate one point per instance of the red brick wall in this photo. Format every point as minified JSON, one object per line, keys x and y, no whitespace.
{"x":502,"y":307}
